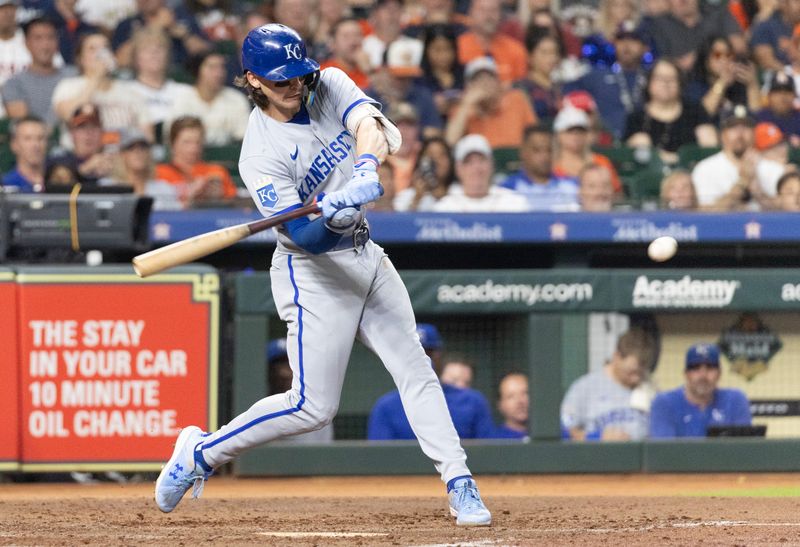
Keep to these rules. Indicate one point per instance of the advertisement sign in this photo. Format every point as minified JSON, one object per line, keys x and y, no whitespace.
{"x":112,"y":366}
{"x":9,"y":366}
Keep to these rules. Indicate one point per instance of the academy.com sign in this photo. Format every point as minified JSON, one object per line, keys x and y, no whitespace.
{"x":683,"y":293}
{"x":528,"y":294}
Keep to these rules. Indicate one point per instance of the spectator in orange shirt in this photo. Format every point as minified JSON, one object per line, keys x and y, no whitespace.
{"x":485,"y":39}
{"x":347,"y":53}
{"x":435,"y":12}
{"x":573,"y":149}
{"x":486,"y":109}
{"x":197,"y":181}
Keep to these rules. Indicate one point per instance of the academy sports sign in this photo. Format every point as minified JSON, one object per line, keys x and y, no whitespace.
{"x":685,"y":292}
{"x":515,"y":291}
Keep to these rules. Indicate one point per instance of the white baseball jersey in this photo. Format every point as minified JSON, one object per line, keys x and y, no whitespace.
{"x":285,"y":165}
{"x":595,"y":402}
{"x":328,"y":300}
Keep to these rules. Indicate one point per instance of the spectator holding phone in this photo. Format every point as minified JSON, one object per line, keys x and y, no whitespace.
{"x":120,"y":105}
{"x":433,"y":173}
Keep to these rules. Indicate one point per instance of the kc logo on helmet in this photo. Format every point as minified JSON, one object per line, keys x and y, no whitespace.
{"x":293,"y":51}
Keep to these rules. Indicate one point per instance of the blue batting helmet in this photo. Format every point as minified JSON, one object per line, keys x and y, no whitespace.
{"x":276,"y":52}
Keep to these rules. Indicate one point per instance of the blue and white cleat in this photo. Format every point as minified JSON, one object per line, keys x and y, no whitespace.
{"x":181,"y":472}
{"x":466,"y":504}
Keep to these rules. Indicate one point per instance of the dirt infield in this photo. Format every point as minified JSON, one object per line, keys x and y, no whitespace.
{"x":728,"y":509}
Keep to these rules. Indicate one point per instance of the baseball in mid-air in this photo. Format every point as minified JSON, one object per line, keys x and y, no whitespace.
{"x":662,"y":249}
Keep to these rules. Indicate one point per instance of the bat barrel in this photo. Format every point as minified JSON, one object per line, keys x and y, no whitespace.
{"x":202,"y":245}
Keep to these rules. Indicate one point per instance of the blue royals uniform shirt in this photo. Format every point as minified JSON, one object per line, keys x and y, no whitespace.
{"x":559,"y":194}
{"x":671,"y":415}
{"x":468,"y":409}
{"x":13,"y":179}
{"x":502,"y":431}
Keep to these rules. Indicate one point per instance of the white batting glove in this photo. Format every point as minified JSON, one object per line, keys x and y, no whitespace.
{"x":364,"y":187}
{"x":364,"y":184}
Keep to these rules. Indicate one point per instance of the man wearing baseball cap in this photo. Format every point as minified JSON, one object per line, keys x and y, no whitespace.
{"x":488,"y":108}
{"x":89,"y":157}
{"x":469,"y":409}
{"x":689,"y":410}
{"x":397,"y":82}
{"x":618,"y":90}
{"x":771,"y":144}
{"x":736,"y":177}
{"x":780,"y":107}
{"x":475,"y":192}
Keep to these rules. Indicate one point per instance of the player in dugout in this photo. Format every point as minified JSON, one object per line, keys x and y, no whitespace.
{"x":315,"y":131}
{"x":468,"y":408}
{"x":689,"y":410}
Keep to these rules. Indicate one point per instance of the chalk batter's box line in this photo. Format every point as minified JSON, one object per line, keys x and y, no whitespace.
{"x":126,"y":465}
{"x":205,"y":289}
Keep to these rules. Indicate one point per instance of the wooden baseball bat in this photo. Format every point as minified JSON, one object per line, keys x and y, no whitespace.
{"x":190,"y":249}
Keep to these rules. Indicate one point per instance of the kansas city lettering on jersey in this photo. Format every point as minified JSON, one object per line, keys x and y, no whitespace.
{"x":618,"y":417}
{"x":322,"y":165}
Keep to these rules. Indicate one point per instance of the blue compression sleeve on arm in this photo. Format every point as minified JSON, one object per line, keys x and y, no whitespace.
{"x":312,"y":235}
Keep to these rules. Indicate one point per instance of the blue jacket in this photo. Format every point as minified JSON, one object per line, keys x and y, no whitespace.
{"x":468,"y":409}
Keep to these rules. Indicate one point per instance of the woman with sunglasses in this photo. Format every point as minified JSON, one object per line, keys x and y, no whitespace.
{"x":722,"y":80}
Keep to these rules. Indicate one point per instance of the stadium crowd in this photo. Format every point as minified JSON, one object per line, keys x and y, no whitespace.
{"x":504,"y":106}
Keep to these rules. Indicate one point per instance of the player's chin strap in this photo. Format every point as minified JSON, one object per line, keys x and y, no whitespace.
{"x":310,"y":80}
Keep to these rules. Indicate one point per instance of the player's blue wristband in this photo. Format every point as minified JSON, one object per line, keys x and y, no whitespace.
{"x":367,"y":158}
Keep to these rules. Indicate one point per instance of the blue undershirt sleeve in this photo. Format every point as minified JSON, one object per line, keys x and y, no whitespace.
{"x":312,"y":235}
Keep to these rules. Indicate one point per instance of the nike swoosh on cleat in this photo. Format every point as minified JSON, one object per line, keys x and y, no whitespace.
{"x":296,"y":152}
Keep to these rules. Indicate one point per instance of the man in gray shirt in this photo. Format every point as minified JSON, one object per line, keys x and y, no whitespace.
{"x":679,"y":33}
{"x":602,"y":405}
{"x":29,"y":93}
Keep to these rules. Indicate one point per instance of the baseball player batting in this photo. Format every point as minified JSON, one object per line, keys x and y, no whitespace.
{"x":313,"y":132}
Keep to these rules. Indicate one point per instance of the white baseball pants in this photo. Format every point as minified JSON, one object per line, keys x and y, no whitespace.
{"x":327,"y":300}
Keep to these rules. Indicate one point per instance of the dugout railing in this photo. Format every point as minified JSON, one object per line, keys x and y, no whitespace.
{"x":540,"y":322}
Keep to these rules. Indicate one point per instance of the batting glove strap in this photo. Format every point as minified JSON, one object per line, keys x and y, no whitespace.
{"x":331,"y":203}
{"x":366,"y":162}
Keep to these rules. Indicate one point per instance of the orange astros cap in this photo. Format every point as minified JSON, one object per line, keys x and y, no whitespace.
{"x":767,"y":135}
